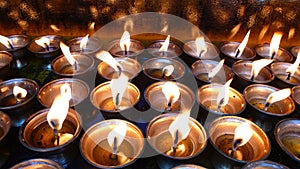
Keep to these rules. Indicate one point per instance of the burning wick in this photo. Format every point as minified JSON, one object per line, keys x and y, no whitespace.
{"x":9,"y":42}
{"x":275,"y":42}
{"x":172,"y":94}
{"x":19,"y":94}
{"x":117,"y":102}
{"x":235,"y":145}
{"x":212,"y":73}
{"x":47,"y":46}
{"x":291,"y":70}
{"x":242,"y":135}
{"x":223,"y":95}
{"x":273,"y":55}
{"x":164,"y":47}
{"x":237,"y":53}
{"x":257,"y":65}
{"x":125,"y":42}
{"x":167,"y":71}
{"x":55,"y":131}
{"x":277,"y":96}
{"x":242,"y":46}
{"x":170,"y":104}
{"x":175,"y":141}
{"x":200,"y":46}
{"x":115,"y":149}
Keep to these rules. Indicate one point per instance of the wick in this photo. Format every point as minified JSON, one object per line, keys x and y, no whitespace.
{"x":219,"y":105}
{"x":235,"y":145}
{"x":47,"y":46}
{"x":289,"y":76}
{"x":266,"y":106}
{"x":19,"y":98}
{"x":56,"y":136}
{"x":119,"y":70}
{"x":252,"y":77}
{"x":164,"y":53}
{"x":175,"y":141}
{"x":163,"y":73}
{"x":170,"y":104}
{"x":76,"y":66}
{"x":201,"y":52}
{"x":237,"y":53}
{"x":117,"y":102}
{"x":10,"y":45}
{"x":125,"y":50}
{"x":273,"y":55}
{"x":115,"y":149}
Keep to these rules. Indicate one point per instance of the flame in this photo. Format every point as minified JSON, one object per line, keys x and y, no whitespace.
{"x":43,"y":42}
{"x":116,"y":136}
{"x":84,"y":41}
{"x":164,"y":47}
{"x":165,"y":28}
{"x":291,"y":33}
{"x":171,"y":92}
{"x":242,"y":46}
{"x":278,"y":95}
{"x":125,"y":41}
{"x":108,"y":59}
{"x":118,"y":87}
{"x":5,"y":41}
{"x":293,"y":68}
{"x":66,"y":51}
{"x":168,"y":70}
{"x":263,"y":32}
{"x":179,"y":128}
{"x":216,"y":69}
{"x":19,"y":92}
{"x":223,"y":95}
{"x":235,"y":30}
{"x":257,"y":65}
{"x":59,"y":108}
{"x":91,"y":26}
{"x":274,"y":45}
{"x":200,"y":46}
{"x":128,"y":26}
{"x":54,"y":28}
{"x":242,"y":134}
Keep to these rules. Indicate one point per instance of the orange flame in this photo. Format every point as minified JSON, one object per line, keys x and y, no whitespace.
{"x":54,"y":28}
{"x":43,"y":42}
{"x":263,"y":32}
{"x":5,"y":41}
{"x":257,"y":65}
{"x":274,"y":45}
{"x":116,"y":136}
{"x":125,"y":41}
{"x":165,"y":45}
{"x":242,"y":46}
{"x":83,"y":42}
{"x":235,"y":30}
{"x":59,"y":108}
{"x":66,"y":51}
{"x":242,"y":133}
{"x":200,"y":46}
